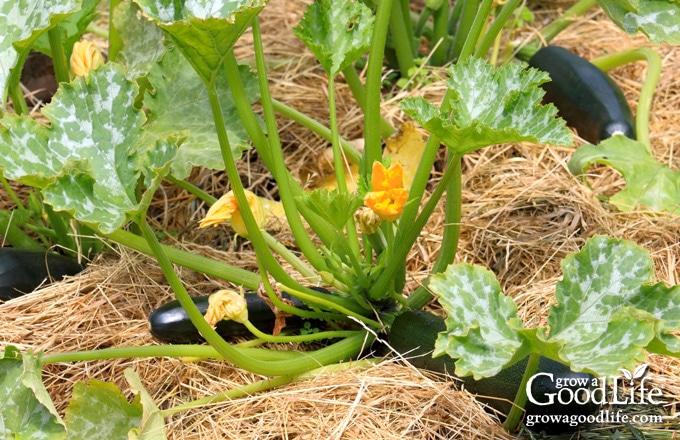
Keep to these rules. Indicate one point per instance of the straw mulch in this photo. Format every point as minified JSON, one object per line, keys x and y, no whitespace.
{"x":523,"y":213}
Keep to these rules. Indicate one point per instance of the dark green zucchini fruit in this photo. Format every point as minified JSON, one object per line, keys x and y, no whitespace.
{"x":413,"y":334}
{"x":170,"y":323}
{"x":585,"y":96}
{"x":24,"y":270}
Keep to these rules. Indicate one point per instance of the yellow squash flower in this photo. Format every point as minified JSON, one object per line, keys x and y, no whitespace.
{"x":226,"y":305}
{"x":389,"y":195}
{"x":226,"y":209}
{"x":85,"y":57}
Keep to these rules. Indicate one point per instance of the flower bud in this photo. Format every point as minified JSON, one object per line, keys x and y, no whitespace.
{"x":389,"y":196}
{"x":226,"y":209}
{"x":369,"y":221}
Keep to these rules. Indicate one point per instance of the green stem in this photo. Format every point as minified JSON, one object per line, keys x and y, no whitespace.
{"x":267,"y":384}
{"x":353,"y":155}
{"x":59,"y":225}
{"x":10,"y":192}
{"x":422,"y":21}
{"x":517,"y":411}
{"x":330,"y":304}
{"x":467,"y":16}
{"x":191,"y":189}
{"x":285,"y":339}
{"x":14,"y":235}
{"x":400,"y":40}
{"x":608,"y":62}
{"x":264,"y":257}
{"x":61,"y":68}
{"x":279,"y":170}
{"x":359,"y":92}
{"x":476,"y":29}
{"x":498,"y":24}
{"x":310,"y":275}
{"x":449,"y":246}
{"x":207,"y":266}
{"x":372,"y":144}
{"x":338,"y":157}
{"x":114,"y":39}
{"x":440,"y":34}
{"x":406,"y":238}
{"x":18,"y":100}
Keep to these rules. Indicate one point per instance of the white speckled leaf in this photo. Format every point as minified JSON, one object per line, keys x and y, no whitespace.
{"x":114,"y":416}
{"x":21,"y":23}
{"x":204,"y":30}
{"x":180,"y":99}
{"x":336,"y":31}
{"x":491,"y":106}
{"x":658,"y":19}
{"x":26,"y":409}
{"x":89,"y":160}
{"x":142,"y":40}
{"x":662,"y":302}
{"x":482,"y":323}
{"x":597,"y":281}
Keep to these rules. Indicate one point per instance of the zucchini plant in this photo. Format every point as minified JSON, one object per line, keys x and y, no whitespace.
{"x":173,"y":96}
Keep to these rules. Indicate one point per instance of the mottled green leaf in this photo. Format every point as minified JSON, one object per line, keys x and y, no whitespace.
{"x":204,"y":30}
{"x":153,"y":426}
{"x":662,"y":302}
{"x":26,"y":409}
{"x":482,"y":323}
{"x":649,"y":184}
{"x":72,"y":28}
{"x":490,"y":106}
{"x":21,"y":23}
{"x":99,"y":411}
{"x":89,"y":159}
{"x":141,"y":40}
{"x":658,"y":19}
{"x":336,"y":31}
{"x":180,"y":99}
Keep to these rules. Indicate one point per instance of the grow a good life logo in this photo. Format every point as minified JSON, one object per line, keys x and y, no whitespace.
{"x":574,"y":400}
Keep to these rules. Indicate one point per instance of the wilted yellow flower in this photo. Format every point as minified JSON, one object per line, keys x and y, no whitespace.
{"x":226,"y":209}
{"x":85,"y":57}
{"x":389,"y":195}
{"x":226,"y":305}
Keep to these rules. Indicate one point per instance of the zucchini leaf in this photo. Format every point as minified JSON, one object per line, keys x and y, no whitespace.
{"x":22,"y":24}
{"x":657,"y":19}
{"x":204,"y":30}
{"x":337,"y":32}
{"x":482,"y":323}
{"x":153,"y":426}
{"x":180,"y":99}
{"x":114,"y":416}
{"x":89,"y":160}
{"x":26,"y":409}
{"x":608,"y":314}
{"x":142,"y":42}
{"x":649,"y":184}
{"x":72,"y":29}
{"x":490,"y":106}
